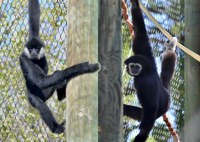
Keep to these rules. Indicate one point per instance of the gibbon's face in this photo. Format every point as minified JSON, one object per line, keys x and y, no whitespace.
{"x":134,"y":69}
{"x":34,"y":49}
{"x":34,"y":53}
{"x":137,"y":64}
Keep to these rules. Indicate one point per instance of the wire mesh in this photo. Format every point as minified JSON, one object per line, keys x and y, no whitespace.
{"x":170,"y":15}
{"x":18,"y":120}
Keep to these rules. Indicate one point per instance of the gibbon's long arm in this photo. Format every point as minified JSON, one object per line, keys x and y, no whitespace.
{"x":35,"y":74}
{"x":141,"y":43}
{"x":34,"y":18}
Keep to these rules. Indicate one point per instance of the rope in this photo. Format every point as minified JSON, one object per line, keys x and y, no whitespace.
{"x":171,"y":130}
{"x":125,"y":17}
{"x":189,"y":52}
{"x":129,"y":24}
{"x":186,"y":50}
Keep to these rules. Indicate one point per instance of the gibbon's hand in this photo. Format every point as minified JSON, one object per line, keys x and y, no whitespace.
{"x":135,"y":3}
{"x":90,"y":68}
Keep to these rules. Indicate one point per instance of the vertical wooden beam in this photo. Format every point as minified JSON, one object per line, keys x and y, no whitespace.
{"x":82,"y":92}
{"x":110,"y":76}
{"x":192,"y":72}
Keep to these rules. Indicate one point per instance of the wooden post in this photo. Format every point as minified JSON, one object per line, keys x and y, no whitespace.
{"x":110,"y":76}
{"x":82,"y":92}
{"x":192,"y":72}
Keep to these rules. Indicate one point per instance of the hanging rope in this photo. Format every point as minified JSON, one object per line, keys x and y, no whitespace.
{"x":171,"y":130}
{"x":125,"y":17}
{"x":186,"y":50}
{"x":130,"y":26}
{"x":130,"y":87}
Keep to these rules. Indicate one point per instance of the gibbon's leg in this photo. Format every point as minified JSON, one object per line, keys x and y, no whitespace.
{"x":61,"y":90}
{"x":147,"y":123}
{"x":35,"y":75}
{"x":133,"y":112}
{"x":48,"y":92}
{"x":46,"y":114}
{"x":68,"y":74}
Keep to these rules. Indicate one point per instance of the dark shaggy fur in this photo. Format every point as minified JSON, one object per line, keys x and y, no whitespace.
{"x":41,"y":86}
{"x":152,"y":94}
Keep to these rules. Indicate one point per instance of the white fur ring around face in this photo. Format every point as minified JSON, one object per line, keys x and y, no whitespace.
{"x":39,"y":56}
{"x":136,"y":67}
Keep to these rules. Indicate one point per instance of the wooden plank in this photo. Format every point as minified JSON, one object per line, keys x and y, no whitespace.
{"x":110,"y":76}
{"x":82,"y":93}
{"x":192,"y":72}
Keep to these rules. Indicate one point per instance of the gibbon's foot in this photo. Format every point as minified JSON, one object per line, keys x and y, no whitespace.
{"x":60,"y":128}
{"x":140,"y":138}
{"x":63,"y":123}
{"x":135,"y":3}
{"x":94,"y":67}
{"x":90,"y":68}
{"x":61,"y":84}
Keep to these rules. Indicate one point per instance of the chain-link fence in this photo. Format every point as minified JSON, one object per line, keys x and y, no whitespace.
{"x":18,"y":120}
{"x":170,"y":15}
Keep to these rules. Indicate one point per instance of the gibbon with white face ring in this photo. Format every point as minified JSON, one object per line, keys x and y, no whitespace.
{"x":152,"y":91}
{"x":134,"y":69}
{"x":34,"y":53}
{"x":41,"y":86}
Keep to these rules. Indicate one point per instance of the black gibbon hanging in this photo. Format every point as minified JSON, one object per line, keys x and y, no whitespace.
{"x":152,"y":91}
{"x":41,"y":86}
